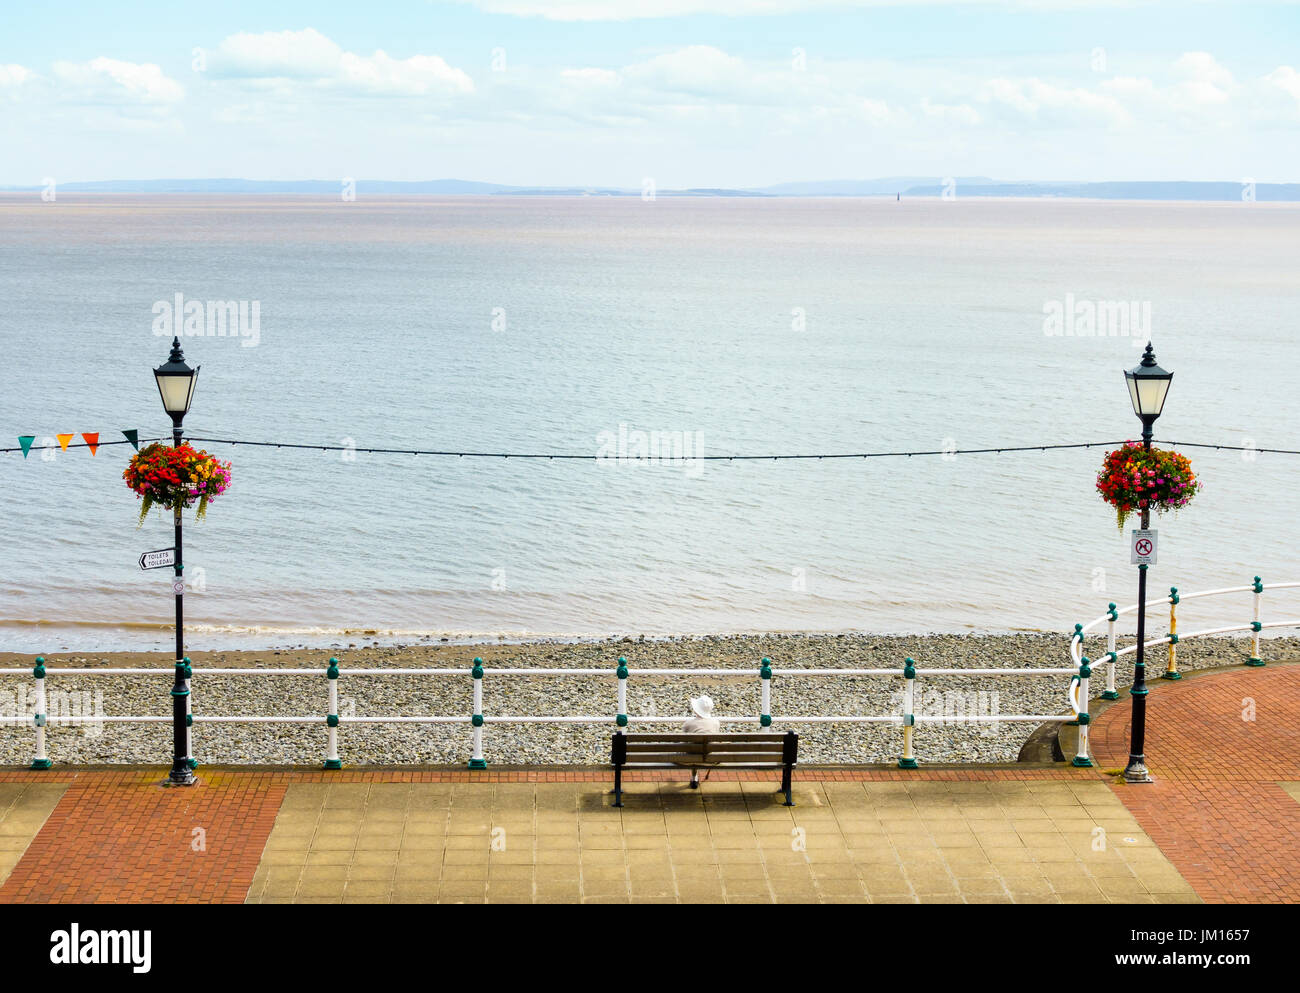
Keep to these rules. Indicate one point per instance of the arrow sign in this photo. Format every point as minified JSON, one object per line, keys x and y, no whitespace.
{"x":158,"y":560}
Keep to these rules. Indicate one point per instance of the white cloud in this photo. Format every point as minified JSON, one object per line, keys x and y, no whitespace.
{"x":13,"y":75}
{"x":698,"y":70}
{"x":1202,"y":67}
{"x":875,"y":112}
{"x":1286,"y":79}
{"x":598,"y":77}
{"x":309,"y":57}
{"x":962,"y":114}
{"x":417,"y":75}
{"x":112,"y":81}
{"x":1048,"y":103}
{"x":306,"y":54}
{"x":628,"y":10}
{"x":1202,"y":94}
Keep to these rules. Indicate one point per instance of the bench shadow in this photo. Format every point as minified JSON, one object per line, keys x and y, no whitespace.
{"x":670,"y":797}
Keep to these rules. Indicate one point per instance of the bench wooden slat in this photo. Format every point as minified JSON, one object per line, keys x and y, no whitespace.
{"x":744,"y":746}
{"x":732,"y":758}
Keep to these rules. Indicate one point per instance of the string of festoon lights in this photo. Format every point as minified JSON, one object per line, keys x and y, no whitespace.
{"x":91,"y":441}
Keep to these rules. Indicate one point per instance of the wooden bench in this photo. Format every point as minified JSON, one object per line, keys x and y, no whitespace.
{"x":705,"y":751}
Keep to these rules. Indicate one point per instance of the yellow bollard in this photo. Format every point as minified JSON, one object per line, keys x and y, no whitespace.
{"x":1172,"y":671}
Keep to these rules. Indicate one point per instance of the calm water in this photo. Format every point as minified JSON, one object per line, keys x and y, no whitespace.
{"x":922,"y":329}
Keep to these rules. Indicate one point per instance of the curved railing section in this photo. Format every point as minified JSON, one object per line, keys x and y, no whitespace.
{"x":1079,"y":685}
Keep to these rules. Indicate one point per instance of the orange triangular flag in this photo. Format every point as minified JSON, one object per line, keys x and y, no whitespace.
{"x":92,"y":441}
{"x":63,"y":440}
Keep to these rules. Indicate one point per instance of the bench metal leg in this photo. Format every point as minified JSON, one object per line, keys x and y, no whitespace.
{"x":785,"y":786}
{"x":618,"y":786}
{"x":695,"y":779}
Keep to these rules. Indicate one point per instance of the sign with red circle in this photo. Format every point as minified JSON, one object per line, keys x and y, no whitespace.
{"x":1143,"y":548}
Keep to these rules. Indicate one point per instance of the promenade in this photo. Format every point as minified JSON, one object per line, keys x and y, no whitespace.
{"x":1221,"y":824}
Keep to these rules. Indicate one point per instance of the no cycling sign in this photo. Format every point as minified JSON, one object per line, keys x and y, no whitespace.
{"x":1143,"y":548}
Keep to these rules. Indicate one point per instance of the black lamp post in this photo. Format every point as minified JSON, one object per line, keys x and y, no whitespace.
{"x":1148,"y":385}
{"x":176,"y":387}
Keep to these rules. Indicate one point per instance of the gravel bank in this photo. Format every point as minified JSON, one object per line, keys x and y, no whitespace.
{"x":362,"y":744}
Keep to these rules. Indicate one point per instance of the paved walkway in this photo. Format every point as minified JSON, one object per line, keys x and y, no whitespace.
{"x":939,"y":835}
{"x":1223,"y":748}
{"x":1221,"y":824}
{"x":990,"y":841}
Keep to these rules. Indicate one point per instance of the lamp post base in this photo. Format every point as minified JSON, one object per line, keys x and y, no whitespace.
{"x":181,"y":776}
{"x":1137,"y":771}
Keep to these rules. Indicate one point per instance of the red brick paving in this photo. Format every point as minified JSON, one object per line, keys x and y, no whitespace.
{"x":1215,"y":808}
{"x":122,"y":838}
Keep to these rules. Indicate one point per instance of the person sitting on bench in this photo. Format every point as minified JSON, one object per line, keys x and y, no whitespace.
{"x":702,"y":723}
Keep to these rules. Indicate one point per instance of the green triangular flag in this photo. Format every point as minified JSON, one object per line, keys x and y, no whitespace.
{"x":134,"y":438}
{"x":26,"y":441}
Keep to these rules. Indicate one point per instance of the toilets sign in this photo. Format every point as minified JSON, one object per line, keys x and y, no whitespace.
{"x":158,"y":560}
{"x":1143,"y":549}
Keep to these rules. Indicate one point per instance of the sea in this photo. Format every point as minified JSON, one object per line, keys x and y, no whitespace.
{"x":650,"y":337}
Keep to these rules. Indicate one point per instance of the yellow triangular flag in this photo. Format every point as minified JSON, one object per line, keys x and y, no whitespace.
{"x":63,"y":440}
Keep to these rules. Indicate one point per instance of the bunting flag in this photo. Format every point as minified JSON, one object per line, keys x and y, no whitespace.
{"x":91,"y":438}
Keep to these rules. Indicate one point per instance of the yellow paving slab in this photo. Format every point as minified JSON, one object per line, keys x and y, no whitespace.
{"x":883,"y":842}
{"x":24,"y":808}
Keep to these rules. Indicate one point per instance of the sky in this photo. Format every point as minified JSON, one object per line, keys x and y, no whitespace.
{"x":686,"y":93}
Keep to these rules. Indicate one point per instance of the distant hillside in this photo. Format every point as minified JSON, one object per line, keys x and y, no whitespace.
{"x":318,"y":186}
{"x":1116,"y":191}
{"x":889,"y":186}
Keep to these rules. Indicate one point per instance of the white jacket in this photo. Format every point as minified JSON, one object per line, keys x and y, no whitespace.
{"x":702,"y":725}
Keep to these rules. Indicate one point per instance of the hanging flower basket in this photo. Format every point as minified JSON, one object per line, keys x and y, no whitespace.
{"x":176,"y":477}
{"x":1134,"y":479}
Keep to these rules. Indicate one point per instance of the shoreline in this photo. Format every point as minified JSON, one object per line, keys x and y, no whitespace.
{"x":373,"y":639}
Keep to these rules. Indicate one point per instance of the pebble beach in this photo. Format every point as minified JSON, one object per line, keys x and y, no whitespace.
{"x":570,"y":744}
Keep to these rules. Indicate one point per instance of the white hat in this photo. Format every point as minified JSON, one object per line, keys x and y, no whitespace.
{"x":702,"y":705}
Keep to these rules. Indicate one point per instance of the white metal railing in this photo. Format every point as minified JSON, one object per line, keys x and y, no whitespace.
{"x":906,"y":718}
{"x":1080,"y":683}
